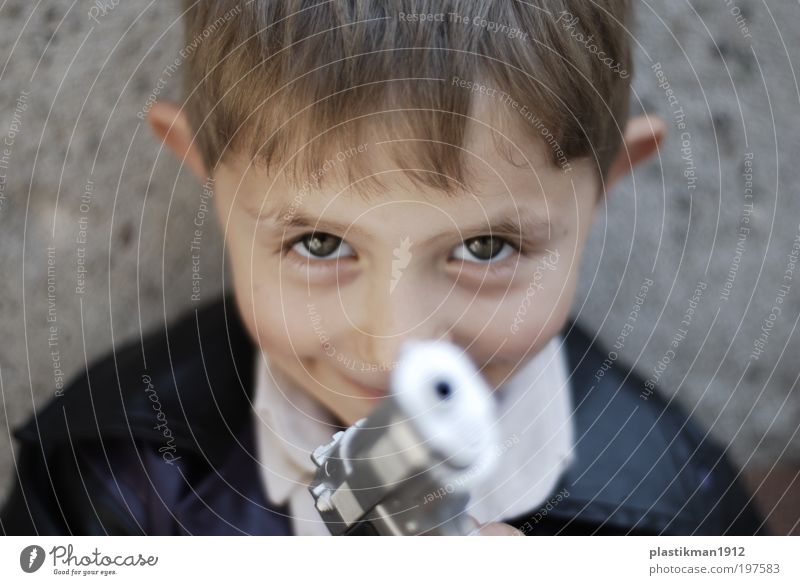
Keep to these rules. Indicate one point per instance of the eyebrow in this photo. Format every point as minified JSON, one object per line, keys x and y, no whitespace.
{"x":526,"y":226}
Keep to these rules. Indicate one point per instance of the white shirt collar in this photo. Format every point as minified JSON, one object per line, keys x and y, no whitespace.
{"x":535,"y":444}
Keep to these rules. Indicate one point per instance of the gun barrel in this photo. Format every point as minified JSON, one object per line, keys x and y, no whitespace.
{"x":406,"y":468}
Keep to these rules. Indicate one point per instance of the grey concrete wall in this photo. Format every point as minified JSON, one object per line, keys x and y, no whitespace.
{"x":81,"y":163}
{"x":686,"y":222}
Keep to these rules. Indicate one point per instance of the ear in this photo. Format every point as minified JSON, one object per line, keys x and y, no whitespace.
{"x":171,"y":126}
{"x":643,"y":136}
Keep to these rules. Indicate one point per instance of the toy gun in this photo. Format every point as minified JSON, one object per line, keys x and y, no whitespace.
{"x":407,"y":467}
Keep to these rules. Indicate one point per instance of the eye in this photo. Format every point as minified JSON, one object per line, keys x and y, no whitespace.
{"x":320,"y":246}
{"x":486,"y":249}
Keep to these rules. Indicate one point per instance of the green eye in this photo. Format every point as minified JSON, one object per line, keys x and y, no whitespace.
{"x":319,"y":245}
{"x":484,"y":249}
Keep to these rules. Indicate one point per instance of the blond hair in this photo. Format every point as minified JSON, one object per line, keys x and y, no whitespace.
{"x":293,"y":81}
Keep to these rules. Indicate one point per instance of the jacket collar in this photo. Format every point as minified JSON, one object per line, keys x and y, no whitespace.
{"x":186,"y":385}
{"x":628,"y":473}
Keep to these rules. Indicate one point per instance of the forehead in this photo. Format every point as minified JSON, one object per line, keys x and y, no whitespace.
{"x":504,"y":169}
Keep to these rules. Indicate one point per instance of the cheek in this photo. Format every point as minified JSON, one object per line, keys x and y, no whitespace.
{"x":275,"y":313}
{"x":509,"y":327}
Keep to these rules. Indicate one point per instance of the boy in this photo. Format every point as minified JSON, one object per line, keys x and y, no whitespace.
{"x":384,"y":172}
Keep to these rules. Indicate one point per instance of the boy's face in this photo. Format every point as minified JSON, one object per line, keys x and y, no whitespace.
{"x":331,"y":311}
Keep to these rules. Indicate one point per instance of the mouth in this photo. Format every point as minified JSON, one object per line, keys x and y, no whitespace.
{"x":368,"y":391}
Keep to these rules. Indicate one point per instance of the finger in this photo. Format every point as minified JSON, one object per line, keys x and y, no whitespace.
{"x":497,"y":529}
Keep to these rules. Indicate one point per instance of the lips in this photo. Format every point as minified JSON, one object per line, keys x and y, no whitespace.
{"x":369,"y":391}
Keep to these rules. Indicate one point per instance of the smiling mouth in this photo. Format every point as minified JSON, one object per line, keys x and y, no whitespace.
{"x":367,"y":391}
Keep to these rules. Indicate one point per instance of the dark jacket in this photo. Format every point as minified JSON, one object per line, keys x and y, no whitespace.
{"x":158,"y":438}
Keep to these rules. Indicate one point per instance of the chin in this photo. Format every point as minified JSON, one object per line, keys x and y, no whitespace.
{"x":347,"y":416}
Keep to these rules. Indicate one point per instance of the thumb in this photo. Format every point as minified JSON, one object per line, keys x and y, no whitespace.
{"x":494,"y":529}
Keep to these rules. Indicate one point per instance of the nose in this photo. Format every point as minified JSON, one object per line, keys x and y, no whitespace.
{"x":392,"y":315}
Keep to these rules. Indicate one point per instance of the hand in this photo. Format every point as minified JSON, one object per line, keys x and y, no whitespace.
{"x":497,"y":529}
{"x":494,"y":529}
